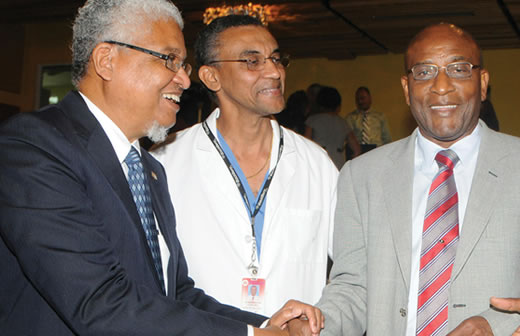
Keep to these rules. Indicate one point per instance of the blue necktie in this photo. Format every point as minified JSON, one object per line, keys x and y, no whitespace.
{"x":141,"y":193}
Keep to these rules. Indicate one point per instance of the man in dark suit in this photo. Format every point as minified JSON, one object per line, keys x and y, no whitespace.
{"x":79,"y":252}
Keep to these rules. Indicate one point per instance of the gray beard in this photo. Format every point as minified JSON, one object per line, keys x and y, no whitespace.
{"x":156,"y":132}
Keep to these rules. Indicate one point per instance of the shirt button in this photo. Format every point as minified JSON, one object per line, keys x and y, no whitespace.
{"x":403,"y":312}
{"x":247,"y":238}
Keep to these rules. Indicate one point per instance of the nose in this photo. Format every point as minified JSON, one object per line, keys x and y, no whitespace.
{"x":442,"y":84}
{"x":272,"y":70}
{"x":182,"y":78}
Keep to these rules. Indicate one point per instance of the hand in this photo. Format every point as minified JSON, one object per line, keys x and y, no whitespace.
{"x":476,"y":326}
{"x":509,"y":304}
{"x":296,"y":309}
{"x":271,"y":331}
{"x":299,"y":327}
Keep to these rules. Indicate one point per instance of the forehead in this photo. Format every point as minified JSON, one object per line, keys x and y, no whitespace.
{"x":442,"y":45}
{"x":162,"y":35}
{"x":237,"y":41}
{"x":362,"y":93}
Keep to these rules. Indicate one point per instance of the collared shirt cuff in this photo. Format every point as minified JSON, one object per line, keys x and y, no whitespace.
{"x":251,"y":330}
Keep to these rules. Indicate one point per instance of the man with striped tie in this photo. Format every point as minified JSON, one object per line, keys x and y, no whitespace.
{"x":427,"y":228}
{"x":369,"y":126}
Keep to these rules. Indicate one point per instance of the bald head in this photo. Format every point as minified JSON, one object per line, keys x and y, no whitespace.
{"x":436,"y":34}
{"x":446,"y":105}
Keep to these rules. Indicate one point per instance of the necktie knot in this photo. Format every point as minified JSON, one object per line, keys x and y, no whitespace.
{"x":132,"y":158}
{"x":447,"y":158}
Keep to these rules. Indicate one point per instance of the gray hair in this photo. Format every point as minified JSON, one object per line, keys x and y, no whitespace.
{"x":120,"y":20}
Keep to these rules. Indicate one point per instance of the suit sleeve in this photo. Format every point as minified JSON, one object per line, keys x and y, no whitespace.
{"x":50,"y":224}
{"x":184,"y":286}
{"x":501,"y":323}
{"x":188,"y":293}
{"x":344,"y":299}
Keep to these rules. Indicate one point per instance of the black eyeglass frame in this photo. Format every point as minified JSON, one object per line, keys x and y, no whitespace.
{"x":168,"y":58}
{"x":284,"y":61}
{"x":445,"y":67}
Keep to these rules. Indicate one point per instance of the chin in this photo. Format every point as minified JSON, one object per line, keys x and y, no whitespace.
{"x":157,"y":132}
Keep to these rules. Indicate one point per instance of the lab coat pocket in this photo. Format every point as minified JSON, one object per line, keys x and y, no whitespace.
{"x":305,"y":239}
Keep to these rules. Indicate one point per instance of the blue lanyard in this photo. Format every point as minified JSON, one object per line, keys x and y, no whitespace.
{"x":252,"y":213}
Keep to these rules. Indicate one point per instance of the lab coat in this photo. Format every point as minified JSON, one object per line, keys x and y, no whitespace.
{"x":214,"y":227}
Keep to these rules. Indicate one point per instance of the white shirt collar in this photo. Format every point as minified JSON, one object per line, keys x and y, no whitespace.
{"x":466,"y":149}
{"x":116,"y":136}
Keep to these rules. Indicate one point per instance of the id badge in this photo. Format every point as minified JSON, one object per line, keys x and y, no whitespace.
{"x":253,"y":291}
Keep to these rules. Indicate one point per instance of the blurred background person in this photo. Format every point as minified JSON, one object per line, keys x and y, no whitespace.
{"x":293,"y":115}
{"x":328,"y":129}
{"x":312,"y":94}
{"x":370,"y":127}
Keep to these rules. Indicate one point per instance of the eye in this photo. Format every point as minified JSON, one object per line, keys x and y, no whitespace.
{"x":173,"y":60}
{"x":460,"y":68}
{"x":276,"y":59}
{"x":423,"y":71}
{"x":253,"y":61}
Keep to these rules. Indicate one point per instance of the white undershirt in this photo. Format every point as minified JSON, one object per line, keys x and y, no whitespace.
{"x":122,"y":146}
{"x":425,"y":169}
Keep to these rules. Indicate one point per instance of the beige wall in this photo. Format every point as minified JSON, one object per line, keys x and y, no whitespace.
{"x":381,"y":74}
{"x":49,"y":44}
{"x":44,"y":44}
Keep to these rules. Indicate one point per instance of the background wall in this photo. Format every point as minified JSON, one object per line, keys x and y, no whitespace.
{"x":48,"y":43}
{"x":381,"y":74}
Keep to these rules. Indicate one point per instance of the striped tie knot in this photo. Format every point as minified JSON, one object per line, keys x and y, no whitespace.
{"x":447,"y":158}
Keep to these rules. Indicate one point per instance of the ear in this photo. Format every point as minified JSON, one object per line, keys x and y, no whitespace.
{"x":404,"y":84}
{"x":101,"y":60}
{"x":484,"y":80}
{"x":209,"y":76}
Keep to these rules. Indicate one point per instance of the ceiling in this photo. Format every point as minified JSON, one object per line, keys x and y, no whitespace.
{"x":335,"y":29}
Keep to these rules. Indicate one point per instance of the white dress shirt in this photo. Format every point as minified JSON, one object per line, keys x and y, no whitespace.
{"x":425,"y":169}
{"x":122,"y":146}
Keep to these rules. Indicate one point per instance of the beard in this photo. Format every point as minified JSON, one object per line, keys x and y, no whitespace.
{"x":156,"y":132}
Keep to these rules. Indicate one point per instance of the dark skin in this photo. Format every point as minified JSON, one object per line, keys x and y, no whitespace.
{"x":447,"y":109}
{"x":363,"y":100}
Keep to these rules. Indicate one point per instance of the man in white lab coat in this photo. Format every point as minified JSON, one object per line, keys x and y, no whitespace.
{"x":254,"y":201}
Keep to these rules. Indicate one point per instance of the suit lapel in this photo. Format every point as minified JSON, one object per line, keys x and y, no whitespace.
{"x":156,"y":182}
{"x":482,"y":199}
{"x":97,"y":144}
{"x":398,"y":185}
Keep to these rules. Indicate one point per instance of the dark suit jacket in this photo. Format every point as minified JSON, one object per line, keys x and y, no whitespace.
{"x":73,"y":254}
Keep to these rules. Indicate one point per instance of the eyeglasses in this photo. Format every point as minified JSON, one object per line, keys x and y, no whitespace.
{"x":257,"y":62}
{"x":172,"y":61}
{"x":458,"y":70}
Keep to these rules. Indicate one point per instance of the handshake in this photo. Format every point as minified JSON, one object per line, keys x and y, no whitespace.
{"x":294,"y":318}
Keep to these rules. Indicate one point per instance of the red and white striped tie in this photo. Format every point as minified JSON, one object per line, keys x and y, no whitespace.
{"x":439,"y":246}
